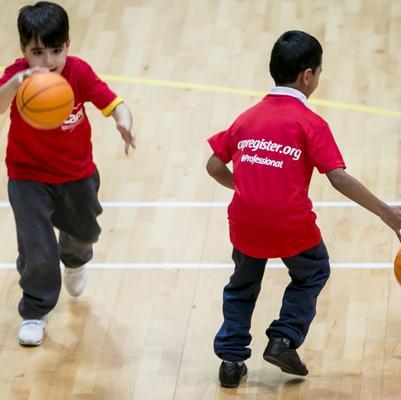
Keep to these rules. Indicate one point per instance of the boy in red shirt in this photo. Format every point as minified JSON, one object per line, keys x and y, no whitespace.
{"x":274,"y":147}
{"x":53,"y":181}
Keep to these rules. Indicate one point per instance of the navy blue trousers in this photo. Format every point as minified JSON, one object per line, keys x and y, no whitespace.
{"x":308,"y":271}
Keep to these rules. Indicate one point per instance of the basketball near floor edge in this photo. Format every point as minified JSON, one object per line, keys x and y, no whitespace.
{"x":45,"y":100}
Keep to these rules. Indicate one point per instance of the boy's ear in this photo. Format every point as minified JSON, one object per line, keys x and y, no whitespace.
{"x":306,"y":76}
{"x":68,"y":43}
{"x":303,"y":77}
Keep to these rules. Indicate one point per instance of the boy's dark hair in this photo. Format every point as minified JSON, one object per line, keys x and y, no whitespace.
{"x":294,"y":52}
{"x":45,"y":22}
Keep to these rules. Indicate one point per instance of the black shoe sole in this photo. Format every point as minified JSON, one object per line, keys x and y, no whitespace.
{"x":285,"y":368}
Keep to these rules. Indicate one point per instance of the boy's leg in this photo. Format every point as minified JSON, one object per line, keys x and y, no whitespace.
{"x":239,"y":299}
{"x":76,"y":211}
{"x":309,"y":272}
{"x":38,"y":260}
{"x":74,"y":252}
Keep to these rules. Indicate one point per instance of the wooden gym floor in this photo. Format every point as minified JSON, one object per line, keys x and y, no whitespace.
{"x":144,"y":327}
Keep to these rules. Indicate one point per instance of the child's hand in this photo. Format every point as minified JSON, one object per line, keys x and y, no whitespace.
{"x":123,"y":117}
{"x":20,"y":76}
{"x":393,"y":219}
{"x":128,"y":135}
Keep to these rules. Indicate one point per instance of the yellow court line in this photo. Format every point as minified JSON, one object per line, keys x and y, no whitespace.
{"x":244,"y":92}
{"x":250,"y":93}
{"x":355,"y":107}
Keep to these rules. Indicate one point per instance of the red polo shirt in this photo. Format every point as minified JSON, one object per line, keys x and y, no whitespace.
{"x":63,"y":154}
{"x":274,"y":147}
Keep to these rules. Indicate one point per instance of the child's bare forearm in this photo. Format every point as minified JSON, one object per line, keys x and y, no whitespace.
{"x":10,"y":88}
{"x":8,"y":92}
{"x":123,"y":117}
{"x":219,"y":171}
{"x":225,"y":178}
{"x":122,"y":114}
{"x":354,"y":190}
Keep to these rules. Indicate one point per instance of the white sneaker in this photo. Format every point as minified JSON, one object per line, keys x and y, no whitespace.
{"x":75,"y":280}
{"x":32,"y":331}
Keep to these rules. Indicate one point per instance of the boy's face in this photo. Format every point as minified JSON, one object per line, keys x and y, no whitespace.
{"x":53,"y":58}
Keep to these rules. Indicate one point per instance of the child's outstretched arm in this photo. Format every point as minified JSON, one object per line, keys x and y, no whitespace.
{"x":123,"y":117}
{"x":219,"y":171}
{"x":9,"y":89}
{"x":354,"y":190}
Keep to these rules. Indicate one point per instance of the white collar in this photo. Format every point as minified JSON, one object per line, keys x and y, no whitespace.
{"x":287,"y":91}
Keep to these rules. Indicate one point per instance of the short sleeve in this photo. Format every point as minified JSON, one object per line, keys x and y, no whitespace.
{"x":323,"y":151}
{"x":97,"y":91}
{"x":220,"y":144}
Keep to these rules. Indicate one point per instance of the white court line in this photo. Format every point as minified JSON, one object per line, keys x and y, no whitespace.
{"x":207,"y":204}
{"x":189,"y":204}
{"x":275,"y":265}
{"x":217,"y":204}
{"x":211,"y":266}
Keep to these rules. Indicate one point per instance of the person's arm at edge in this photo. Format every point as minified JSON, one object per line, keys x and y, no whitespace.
{"x":124,"y":123}
{"x":218,"y":170}
{"x":8,"y":92}
{"x":356,"y":191}
{"x":10,"y":88}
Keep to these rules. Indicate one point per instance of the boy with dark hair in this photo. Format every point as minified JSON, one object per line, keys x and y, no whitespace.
{"x":274,"y":147}
{"x":53,"y":181}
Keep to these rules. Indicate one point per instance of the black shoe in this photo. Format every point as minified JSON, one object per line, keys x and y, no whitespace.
{"x":230,"y":374}
{"x":279,"y":353}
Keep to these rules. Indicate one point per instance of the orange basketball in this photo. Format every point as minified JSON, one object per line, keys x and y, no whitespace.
{"x":397,"y":267}
{"x":45,"y":100}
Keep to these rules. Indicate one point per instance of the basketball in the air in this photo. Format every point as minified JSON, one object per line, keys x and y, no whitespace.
{"x":45,"y":100}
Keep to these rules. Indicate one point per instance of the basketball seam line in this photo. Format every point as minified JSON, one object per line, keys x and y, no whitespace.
{"x":36,"y":110}
{"x":25,"y":103}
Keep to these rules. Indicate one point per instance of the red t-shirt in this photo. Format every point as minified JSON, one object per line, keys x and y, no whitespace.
{"x":63,"y":154}
{"x":274,"y":147}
